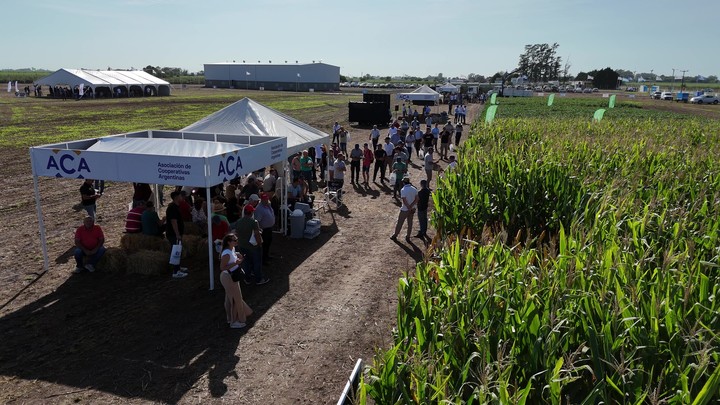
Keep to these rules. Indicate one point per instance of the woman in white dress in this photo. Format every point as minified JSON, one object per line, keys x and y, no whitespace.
{"x":236,"y":310}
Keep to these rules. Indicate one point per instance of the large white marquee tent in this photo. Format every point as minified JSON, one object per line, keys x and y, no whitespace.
{"x":157,"y":157}
{"x":128,"y":81}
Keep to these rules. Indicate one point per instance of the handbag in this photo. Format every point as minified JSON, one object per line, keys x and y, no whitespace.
{"x":236,"y":274}
{"x":393,"y":178}
{"x":175,"y":254}
{"x":252,"y":240}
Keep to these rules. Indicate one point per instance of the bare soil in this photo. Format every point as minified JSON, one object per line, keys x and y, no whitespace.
{"x":105,"y":338}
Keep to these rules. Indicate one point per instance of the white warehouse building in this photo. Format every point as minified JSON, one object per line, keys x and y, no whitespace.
{"x":281,"y":77}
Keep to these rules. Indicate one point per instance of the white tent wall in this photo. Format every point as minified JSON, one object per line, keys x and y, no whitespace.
{"x":156,"y":157}
{"x":110,"y":79}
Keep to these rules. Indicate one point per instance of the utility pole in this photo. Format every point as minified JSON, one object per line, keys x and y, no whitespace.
{"x":672,"y":87}
{"x":682,"y":82}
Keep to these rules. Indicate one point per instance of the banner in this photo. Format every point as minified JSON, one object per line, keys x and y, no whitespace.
{"x":490,"y":114}
{"x":599,"y":114}
{"x":493,"y":99}
{"x":16,"y":87}
{"x":611,"y":102}
{"x":9,"y":87}
{"x":81,"y":90}
{"x":551,"y":99}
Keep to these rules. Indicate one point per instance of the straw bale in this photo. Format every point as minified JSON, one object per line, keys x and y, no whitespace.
{"x":137,"y":241}
{"x":190,"y":245}
{"x":192,"y":228}
{"x":148,"y":262}
{"x":113,"y":261}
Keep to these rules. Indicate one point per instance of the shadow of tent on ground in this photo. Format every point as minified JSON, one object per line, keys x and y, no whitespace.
{"x":136,"y":336}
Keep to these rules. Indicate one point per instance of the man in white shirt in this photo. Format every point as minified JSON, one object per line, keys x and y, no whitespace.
{"x":409,"y":197}
{"x":374,"y":136}
{"x":389,"y":151}
{"x":336,"y":132}
{"x":436,"y":134}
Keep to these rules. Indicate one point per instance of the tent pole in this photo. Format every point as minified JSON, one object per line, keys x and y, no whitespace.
{"x":211,"y":250}
{"x":41,"y":223}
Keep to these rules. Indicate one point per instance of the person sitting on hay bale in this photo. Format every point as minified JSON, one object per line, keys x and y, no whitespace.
{"x":199,"y":217}
{"x":151,"y":223}
{"x":89,"y":240}
{"x":175,"y":228}
{"x":236,"y":310}
{"x":133,"y":221}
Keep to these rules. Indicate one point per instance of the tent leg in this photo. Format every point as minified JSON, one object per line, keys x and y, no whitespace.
{"x":41,"y":223}
{"x":211,"y":248}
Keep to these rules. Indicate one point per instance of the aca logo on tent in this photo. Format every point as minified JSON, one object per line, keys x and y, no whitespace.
{"x":70,"y":164}
{"x":229,"y":166}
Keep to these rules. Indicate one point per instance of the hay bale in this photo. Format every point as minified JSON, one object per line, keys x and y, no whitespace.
{"x":148,"y":262}
{"x":133,"y":242}
{"x":190,"y":245}
{"x":113,"y":261}
{"x":192,"y":228}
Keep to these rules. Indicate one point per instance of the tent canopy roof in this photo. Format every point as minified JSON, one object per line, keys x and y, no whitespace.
{"x":422,"y":93}
{"x":252,"y":118}
{"x":94,"y":78}
{"x":159,"y":157}
{"x":448,"y":87}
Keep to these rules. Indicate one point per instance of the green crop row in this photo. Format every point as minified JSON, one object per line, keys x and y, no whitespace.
{"x":575,"y":263}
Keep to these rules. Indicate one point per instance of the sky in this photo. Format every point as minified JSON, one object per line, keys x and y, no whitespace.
{"x":379,"y":37}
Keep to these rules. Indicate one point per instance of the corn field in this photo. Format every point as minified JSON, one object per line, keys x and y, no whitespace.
{"x":575,"y":263}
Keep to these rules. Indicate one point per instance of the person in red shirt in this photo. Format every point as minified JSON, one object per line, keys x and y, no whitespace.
{"x":133,"y":221}
{"x":89,"y":240}
{"x":368,"y":158}
{"x":220,"y":228}
{"x":185,"y":208}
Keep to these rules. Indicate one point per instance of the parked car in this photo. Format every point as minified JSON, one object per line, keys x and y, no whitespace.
{"x":666,"y":95}
{"x":705,"y":99}
{"x":631,"y":89}
{"x":683,"y":96}
{"x":587,"y":90}
{"x":656,"y":95}
{"x":595,"y":90}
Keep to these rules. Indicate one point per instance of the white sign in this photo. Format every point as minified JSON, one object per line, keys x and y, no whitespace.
{"x":606,"y":95}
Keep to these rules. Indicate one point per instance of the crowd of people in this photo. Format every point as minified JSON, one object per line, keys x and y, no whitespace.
{"x":244,"y":212}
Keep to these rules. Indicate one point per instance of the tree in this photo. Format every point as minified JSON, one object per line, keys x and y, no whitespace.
{"x":582,"y":76}
{"x":604,"y":78}
{"x":712,"y":79}
{"x":343,"y":79}
{"x":566,"y":71}
{"x":540,"y":62}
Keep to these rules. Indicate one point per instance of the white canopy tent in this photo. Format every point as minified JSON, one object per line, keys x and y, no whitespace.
{"x":422,"y":95}
{"x":110,"y":79}
{"x":156,"y":157}
{"x":250,"y":117}
{"x":448,"y":88}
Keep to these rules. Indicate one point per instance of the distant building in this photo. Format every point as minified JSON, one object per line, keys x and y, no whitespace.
{"x":281,"y":77}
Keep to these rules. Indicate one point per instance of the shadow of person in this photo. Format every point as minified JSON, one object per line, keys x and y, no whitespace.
{"x":66,"y":256}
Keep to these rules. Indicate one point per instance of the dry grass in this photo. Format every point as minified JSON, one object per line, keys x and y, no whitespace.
{"x":136,"y":241}
{"x":148,"y":262}
{"x":113,"y":261}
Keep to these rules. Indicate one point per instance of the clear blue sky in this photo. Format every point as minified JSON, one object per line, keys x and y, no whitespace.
{"x":380,"y":37}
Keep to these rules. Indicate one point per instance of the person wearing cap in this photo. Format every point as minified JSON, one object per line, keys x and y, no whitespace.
{"x":250,"y":244}
{"x":422,"y":209}
{"x":409,"y":197}
{"x":265,"y":216}
{"x":355,"y":156}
